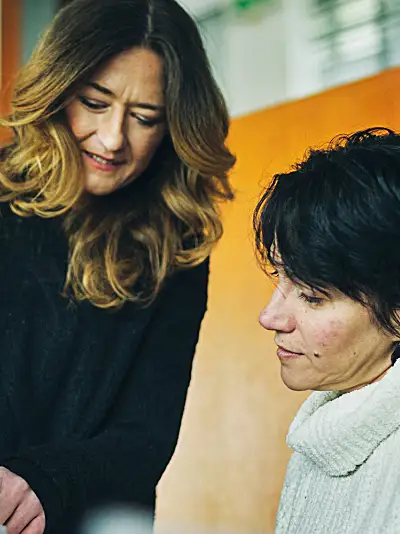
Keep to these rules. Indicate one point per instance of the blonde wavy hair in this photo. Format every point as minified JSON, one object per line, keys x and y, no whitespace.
{"x":122,"y":246}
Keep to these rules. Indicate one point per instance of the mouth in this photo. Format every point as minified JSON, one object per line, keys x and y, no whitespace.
{"x":102,"y":161}
{"x":285,"y":354}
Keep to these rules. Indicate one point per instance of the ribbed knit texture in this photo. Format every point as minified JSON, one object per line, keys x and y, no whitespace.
{"x":344,"y":475}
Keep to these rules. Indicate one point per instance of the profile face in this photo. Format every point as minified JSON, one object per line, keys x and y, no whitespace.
{"x":118,"y":119}
{"x":324,"y":342}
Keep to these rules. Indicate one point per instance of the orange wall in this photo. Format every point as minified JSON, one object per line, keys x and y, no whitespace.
{"x":230,"y":461}
{"x":10,"y":50}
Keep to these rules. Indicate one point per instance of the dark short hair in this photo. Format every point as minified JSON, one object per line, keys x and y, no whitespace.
{"x":335,"y":219}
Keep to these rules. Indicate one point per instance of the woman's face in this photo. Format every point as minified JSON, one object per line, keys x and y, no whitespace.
{"x":324,"y":343}
{"x":118,"y":119}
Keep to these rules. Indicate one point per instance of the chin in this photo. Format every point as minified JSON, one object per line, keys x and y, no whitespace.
{"x":101,"y":187}
{"x":98,"y":191}
{"x":295,"y":383}
{"x":107,"y":186}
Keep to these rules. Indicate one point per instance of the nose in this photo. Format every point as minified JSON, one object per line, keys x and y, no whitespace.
{"x":111,"y":130}
{"x":277,"y":315}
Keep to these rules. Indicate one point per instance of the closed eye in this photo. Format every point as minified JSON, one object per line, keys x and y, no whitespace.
{"x":144,"y":121}
{"x":92,"y":104}
{"x":97,"y":105}
{"x":311,"y":299}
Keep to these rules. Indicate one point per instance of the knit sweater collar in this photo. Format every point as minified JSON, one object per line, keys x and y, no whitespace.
{"x":338,"y":432}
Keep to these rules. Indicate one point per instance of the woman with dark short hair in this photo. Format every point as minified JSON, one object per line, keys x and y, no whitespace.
{"x":330,"y":229}
{"x":109,"y":198}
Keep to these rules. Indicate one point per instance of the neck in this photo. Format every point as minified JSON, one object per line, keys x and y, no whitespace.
{"x":376,"y":379}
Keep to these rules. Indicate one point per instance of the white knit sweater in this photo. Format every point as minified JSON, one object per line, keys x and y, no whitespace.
{"x":344,"y":476}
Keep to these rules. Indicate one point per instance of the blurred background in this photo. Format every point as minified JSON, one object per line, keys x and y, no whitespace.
{"x":295,"y":73}
{"x":266,"y":52}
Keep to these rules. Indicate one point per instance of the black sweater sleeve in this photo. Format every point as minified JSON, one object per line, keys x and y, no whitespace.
{"x":125,"y":461}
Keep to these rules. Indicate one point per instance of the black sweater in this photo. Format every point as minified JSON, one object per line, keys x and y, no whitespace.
{"x":91,"y":400}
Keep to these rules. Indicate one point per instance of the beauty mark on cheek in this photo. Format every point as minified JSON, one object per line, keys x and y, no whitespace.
{"x":328,"y":337}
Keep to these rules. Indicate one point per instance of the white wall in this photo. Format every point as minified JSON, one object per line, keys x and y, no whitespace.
{"x":269,"y":54}
{"x":248,"y":56}
{"x":199,"y":7}
{"x":264,"y":56}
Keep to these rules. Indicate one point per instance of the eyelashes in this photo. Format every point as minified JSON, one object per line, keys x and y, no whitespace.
{"x":92,"y":104}
{"x":95,"y":105}
{"x":311,"y":299}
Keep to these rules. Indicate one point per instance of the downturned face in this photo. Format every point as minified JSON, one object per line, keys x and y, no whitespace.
{"x":118,"y":120}
{"x":324,"y":342}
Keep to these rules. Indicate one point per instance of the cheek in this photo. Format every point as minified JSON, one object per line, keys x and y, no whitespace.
{"x":78,"y":121}
{"x":332,"y":335}
{"x":144,"y":146}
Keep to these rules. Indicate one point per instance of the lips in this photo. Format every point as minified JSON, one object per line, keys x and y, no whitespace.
{"x":285,"y":354}
{"x":288,"y":350}
{"x":102,"y":160}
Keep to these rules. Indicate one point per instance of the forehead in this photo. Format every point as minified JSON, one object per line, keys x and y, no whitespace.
{"x":134,"y":74}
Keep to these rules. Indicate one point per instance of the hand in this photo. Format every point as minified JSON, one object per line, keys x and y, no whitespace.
{"x":20,"y":509}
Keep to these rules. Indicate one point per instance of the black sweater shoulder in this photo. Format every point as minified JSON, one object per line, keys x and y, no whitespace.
{"x":91,"y":400}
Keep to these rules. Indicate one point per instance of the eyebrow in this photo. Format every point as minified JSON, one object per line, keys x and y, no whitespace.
{"x":108,"y":92}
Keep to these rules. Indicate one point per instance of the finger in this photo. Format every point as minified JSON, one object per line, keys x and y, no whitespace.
{"x":6,"y":510}
{"x":27,"y":510}
{"x":12,"y":490}
{"x":36,"y":526}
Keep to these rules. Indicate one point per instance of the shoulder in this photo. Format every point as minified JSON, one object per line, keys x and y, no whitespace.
{"x":5,"y":210}
{"x":184,"y":294}
{"x":9,"y":223}
{"x":189,"y":279}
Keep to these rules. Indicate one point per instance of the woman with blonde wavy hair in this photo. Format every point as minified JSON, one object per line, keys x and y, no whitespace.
{"x":109,"y":197}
